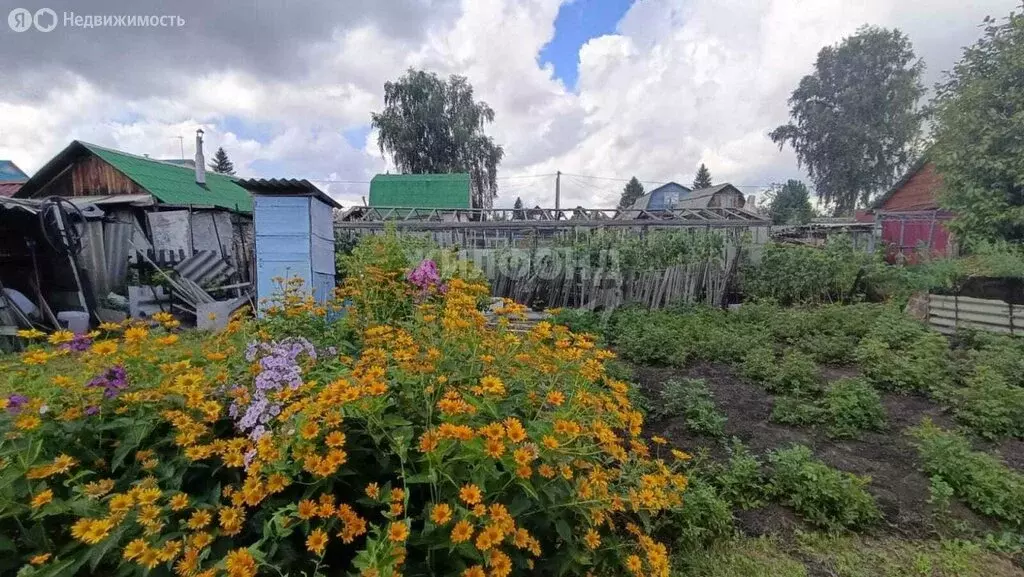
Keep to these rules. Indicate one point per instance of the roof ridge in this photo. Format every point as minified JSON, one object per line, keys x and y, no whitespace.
{"x":150,"y":159}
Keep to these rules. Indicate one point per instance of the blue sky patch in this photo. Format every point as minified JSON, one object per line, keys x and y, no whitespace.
{"x":245,"y":130}
{"x":577,"y":22}
{"x":356,"y":137}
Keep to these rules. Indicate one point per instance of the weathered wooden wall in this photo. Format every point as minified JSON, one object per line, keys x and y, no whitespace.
{"x":90,"y":176}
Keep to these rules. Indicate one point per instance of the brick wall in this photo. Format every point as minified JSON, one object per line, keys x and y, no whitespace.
{"x":920,"y":192}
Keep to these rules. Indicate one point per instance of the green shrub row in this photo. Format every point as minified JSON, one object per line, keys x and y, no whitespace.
{"x":847,"y":407}
{"x":982,"y":481}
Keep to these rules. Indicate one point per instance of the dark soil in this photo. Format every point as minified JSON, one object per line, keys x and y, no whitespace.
{"x":897,"y":483}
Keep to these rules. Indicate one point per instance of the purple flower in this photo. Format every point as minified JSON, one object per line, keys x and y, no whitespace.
{"x":92,"y":410}
{"x":78,"y":344}
{"x":15,"y":403}
{"x":113,"y":380}
{"x":279,"y":369}
{"x":425,"y":276}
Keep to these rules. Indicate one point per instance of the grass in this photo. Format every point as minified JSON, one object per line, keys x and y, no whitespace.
{"x":847,"y":556}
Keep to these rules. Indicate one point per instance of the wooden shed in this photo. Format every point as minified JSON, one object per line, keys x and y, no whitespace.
{"x":294,"y":236}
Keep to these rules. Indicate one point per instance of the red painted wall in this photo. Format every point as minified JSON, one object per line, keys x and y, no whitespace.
{"x":908,"y":235}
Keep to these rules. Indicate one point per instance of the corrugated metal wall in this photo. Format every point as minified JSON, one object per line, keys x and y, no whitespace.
{"x":907,"y":233}
{"x":283,"y":247}
{"x":948,"y":313}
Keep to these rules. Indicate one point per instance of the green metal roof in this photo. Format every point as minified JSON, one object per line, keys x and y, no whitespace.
{"x":172,"y":184}
{"x":420,"y":190}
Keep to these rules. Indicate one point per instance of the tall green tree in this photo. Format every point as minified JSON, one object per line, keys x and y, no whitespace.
{"x":790,"y":203}
{"x":856,"y":122}
{"x":518,"y":213}
{"x":703,"y":178}
{"x":429,"y":125}
{"x":221,"y":163}
{"x":630,"y":193}
{"x":979,"y":147}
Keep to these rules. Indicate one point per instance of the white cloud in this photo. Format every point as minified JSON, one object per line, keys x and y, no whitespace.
{"x":680,"y":83}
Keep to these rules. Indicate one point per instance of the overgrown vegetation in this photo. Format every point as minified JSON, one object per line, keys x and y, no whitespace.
{"x":902,"y":354}
{"x":692,"y":399}
{"x":985,"y":483}
{"x":822,"y":495}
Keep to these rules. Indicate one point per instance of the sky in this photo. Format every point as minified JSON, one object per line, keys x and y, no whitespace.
{"x":601,"y":90}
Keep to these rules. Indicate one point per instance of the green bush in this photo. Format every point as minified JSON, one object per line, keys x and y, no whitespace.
{"x":822,"y":495}
{"x":759,"y":364}
{"x":705,"y":520}
{"x":850,"y":406}
{"x":989,"y":405}
{"x":796,"y":374}
{"x":741,"y":481}
{"x":648,"y":338}
{"x":829,"y":348}
{"x":900,"y":353}
{"x":581,"y":321}
{"x":796,"y":411}
{"x":692,"y":399}
{"x":791,"y":274}
{"x":982,"y":481}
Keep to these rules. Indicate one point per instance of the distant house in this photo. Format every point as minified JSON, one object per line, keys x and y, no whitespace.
{"x":662,"y":198}
{"x":11,"y":178}
{"x":420,"y":191}
{"x":910,"y":217}
{"x":673,"y":195}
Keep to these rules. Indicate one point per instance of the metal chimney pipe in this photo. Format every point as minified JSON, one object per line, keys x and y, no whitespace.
{"x":200,"y":161}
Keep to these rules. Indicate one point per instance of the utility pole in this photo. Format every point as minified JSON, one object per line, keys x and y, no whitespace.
{"x":558,"y":194}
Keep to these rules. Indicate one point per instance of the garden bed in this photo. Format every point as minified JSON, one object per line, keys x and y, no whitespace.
{"x":889,"y":458}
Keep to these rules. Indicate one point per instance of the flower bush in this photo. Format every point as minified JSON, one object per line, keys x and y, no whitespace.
{"x":392,"y":431}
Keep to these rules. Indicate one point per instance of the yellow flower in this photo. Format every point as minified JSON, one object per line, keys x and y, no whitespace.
{"x":61,"y":337}
{"x":659,"y":440}
{"x":136,"y":335}
{"x":103,"y":348}
{"x":462,"y":532}
{"x":134,"y":549}
{"x":307,"y":509}
{"x":199,"y":519}
{"x":441,"y":514}
{"x":35,"y":358}
{"x":99,"y":488}
{"x":682,"y":456}
{"x":474,"y":571}
{"x":167,"y":340}
{"x":42,"y":498}
{"x":178,"y":502}
{"x":398,"y":532}
{"x":240,"y":563}
{"x":470,"y":494}
{"x":373,"y":491}
{"x":27,"y":422}
{"x":39,"y":559}
{"x":110,"y":327}
{"x":316,"y":542}
{"x":592,"y":539}
{"x":31,"y":334}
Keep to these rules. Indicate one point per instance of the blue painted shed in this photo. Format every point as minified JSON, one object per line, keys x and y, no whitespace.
{"x":294,"y":229}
